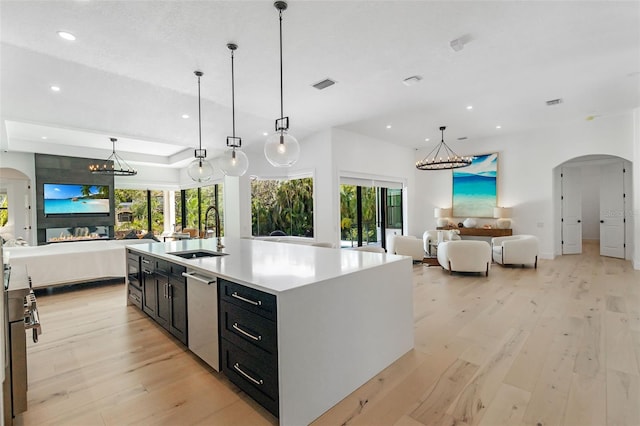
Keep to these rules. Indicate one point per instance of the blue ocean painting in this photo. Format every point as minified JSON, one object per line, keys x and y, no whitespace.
{"x":475,"y":187}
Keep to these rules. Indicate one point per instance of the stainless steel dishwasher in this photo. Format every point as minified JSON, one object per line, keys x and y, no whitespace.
{"x":202,"y":308}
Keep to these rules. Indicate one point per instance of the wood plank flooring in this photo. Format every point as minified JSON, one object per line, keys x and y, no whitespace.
{"x":559,"y":345}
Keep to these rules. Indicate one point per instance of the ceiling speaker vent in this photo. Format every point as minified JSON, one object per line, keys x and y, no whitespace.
{"x":553,"y":102}
{"x":464,"y":138}
{"x":324,"y":84}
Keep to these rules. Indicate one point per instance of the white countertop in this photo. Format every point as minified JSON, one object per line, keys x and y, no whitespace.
{"x":270,"y":266}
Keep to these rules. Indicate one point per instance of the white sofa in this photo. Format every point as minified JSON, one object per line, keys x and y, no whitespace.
{"x":430,"y":238}
{"x":465,"y":256}
{"x":407,"y":245}
{"x":72,"y":262}
{"x":515,"y":250}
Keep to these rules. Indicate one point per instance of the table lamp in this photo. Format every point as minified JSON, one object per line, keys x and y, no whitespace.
{"x":503,"y":214}
{"x":442,"y":215}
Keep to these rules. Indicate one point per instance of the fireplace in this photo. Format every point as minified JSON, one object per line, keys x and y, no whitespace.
{"x":77,"y":233}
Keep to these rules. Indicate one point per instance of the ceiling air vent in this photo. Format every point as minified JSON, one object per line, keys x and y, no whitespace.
{"x":464,"y":138}
{"x":324,"y":84}
{"x":553,"y":102}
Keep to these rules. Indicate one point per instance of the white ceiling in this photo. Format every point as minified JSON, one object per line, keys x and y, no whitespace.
{"x":129,"y":74}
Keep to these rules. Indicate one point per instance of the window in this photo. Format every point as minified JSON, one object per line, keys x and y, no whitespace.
{"x":131,"y":210}
{"x":394,"y":208}
{"x":4,"y":209}
{"x":157,"y":211}
{"x":282,"y":205}
{"x":212,"y":196}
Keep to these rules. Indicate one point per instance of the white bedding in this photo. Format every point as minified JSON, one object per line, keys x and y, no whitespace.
{"x":77,"y":261}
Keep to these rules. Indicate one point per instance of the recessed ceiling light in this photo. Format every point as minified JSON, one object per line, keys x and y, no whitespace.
{"x":498,"y":127}
{"x":388,"y":126}
{"x":469,"y":107}
{"x":66,"y":35}
{"x":55,"y":88}
{"x":44,"y":137}
{"x":185,"y":115}
{"x":265,"y":134}
{"x":426,"y":139}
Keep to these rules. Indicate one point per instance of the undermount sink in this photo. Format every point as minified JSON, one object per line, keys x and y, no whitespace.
{"x":194,"y":254}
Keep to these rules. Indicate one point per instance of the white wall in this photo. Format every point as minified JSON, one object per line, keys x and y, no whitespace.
{"x":526,"y":165}
{"x":149,"y":177}
{"x":636,"y":187}
{"x":22,"y":216}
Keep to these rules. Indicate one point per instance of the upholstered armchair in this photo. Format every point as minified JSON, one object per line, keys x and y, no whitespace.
{"x":515,"y":250}
{"x":430,"y":238}
{"x":465,"y":256}
{"x":408,"y":245}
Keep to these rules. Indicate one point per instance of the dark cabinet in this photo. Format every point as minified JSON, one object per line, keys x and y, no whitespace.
{"x":165,"y":295}
{"x":249,"y":341}
{"x":149,"y":287}
{"x":178,"y":307}
{"x":134,"y":280}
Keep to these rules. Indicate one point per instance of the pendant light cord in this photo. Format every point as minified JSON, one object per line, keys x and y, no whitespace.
{"x":281,"y":84}
{"x":199,"y":118}
{"x":233,"y":100}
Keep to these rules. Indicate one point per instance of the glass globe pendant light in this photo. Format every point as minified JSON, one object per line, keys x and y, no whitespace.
{"x":200,"y":170}
{"x":281,"y":148}
{"x":233,"y":162}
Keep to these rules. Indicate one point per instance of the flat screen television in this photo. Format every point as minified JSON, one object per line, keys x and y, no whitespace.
{"x":66,"y":199}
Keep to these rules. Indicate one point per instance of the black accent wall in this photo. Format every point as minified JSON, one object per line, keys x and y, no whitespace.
{"x":69,"y":170}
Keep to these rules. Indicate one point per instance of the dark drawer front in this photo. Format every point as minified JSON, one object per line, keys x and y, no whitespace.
{"x":133,"y":257}
{"x":135,"y":296}
{"x":177,"y":270}
{"x":160,"y":266}
{"x":148,"y":265}
{"x":255,"y":301}
{"x":251,"y":332}
{"x":251,"y":375}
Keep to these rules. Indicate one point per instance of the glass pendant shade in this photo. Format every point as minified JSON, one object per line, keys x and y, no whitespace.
{"x":282,"y":149}
{"x":200,"y":170}
{"x":233,"y":162}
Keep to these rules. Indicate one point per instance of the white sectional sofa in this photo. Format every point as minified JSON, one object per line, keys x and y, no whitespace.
{"x":72,"y":262}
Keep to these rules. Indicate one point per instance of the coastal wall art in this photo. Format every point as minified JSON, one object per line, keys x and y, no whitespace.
{"x":475,"y":187}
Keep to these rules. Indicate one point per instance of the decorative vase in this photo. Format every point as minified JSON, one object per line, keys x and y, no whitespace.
{"x":469,"y":223}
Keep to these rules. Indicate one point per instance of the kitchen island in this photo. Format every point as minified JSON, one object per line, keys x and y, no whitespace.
{"x":327,"y":319}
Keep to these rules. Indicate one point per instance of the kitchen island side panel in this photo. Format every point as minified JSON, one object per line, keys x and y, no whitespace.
{"x":335,"y":335}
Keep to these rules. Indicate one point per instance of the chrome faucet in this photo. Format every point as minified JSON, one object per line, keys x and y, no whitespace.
{"x":216,"y":216}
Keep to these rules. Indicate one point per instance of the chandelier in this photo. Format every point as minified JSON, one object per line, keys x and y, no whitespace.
{"x":114,"y":165}
{"x":443,"y":158}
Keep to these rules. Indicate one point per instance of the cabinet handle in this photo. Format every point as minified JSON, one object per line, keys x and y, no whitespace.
{"x":253,"y":302}
{"x":147,"y":272}
{"x":169,"y":291}
{"x":197,"y":278}
{"x":236,"y":366}
{"x":246,"y":333}
{"x":165,"y":290}
{"x":146,"y":262}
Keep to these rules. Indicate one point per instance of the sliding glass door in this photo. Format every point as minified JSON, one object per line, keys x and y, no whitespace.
{"x":369,"y":214}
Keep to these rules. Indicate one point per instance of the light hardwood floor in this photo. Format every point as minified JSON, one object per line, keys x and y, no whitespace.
{"x":559,"y":345}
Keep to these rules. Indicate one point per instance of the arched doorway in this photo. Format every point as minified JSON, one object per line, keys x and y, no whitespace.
{"x":593,"y":202}
{"x":15,"y":202}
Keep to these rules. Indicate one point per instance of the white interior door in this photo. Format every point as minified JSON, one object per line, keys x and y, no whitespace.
{"x":571,"y":211}
{"x":612,"y":210}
